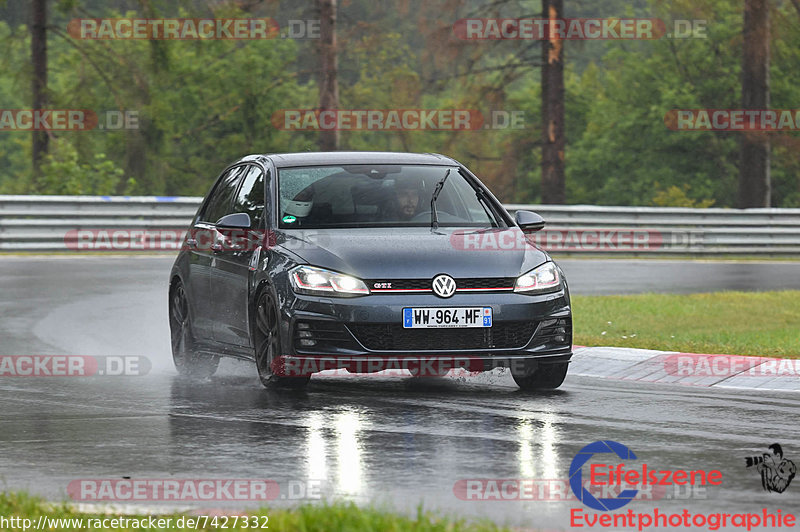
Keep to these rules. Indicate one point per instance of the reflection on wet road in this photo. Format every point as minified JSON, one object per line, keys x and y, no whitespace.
{"x":393,"y":441}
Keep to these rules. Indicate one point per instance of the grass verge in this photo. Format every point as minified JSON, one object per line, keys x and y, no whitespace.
{"x":735,"y":323}
{"x":307,"y":518}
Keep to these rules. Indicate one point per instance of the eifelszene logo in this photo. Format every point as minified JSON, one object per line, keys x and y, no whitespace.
{"x":603,"y":504}
{"x":618,"y":481}
{"x":776,"y":471}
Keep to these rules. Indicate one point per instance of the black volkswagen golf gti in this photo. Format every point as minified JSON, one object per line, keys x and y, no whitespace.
{"x":365,"y":261}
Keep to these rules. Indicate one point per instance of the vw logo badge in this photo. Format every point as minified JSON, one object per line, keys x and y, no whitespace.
{"x":444,"y":285}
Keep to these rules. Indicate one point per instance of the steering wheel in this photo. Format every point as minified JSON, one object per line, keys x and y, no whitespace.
{"x":441,"y":215}
{"x":422,"y":217}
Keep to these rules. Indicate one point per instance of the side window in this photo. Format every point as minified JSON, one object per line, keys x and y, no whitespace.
{"x":250,"y":198}
{"x":221,"y":202}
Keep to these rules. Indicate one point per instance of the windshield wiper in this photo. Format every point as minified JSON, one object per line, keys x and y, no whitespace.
{"x":484,"y":203}
{"x":436,"y":190}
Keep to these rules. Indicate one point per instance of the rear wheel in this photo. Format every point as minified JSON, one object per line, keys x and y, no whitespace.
{"x":184,"y":354}
{"x":544,"y":377}
{"x":269,"y":360}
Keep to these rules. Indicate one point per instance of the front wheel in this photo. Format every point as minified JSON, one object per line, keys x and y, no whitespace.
{"x":184,"y":354}
{"x":544,"y":377}
{"x":269,"y":359}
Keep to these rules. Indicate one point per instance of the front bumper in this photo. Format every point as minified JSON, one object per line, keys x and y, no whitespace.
{"x":366,"y":332}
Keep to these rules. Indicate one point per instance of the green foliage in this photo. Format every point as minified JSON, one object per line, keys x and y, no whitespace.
{"x":62,"y":173}
{"x":675,"y":196}
{"x":15,"y":147}
{"x":626,"y":155}
{"x":201,"y":104}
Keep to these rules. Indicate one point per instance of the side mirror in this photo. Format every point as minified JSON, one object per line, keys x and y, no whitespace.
{"x":239,"y":220}
{"x":529,"y":221}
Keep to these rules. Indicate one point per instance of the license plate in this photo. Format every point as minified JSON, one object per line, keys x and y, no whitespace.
{"x":446,"y":317}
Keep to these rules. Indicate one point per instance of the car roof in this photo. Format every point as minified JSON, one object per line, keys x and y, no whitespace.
{"x":336,"y":158}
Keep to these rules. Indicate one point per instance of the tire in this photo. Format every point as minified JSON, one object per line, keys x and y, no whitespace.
{"x":545,"y":377}
{"x":184,"y":354}
{"x":268,"y":351}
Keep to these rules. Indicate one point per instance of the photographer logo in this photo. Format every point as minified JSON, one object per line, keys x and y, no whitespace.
{"x":776,"y":471}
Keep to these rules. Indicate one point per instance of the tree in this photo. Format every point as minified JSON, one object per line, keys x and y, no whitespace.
{"x":553,"y":139}
{"x":39,"y":85}
{"x":754,"y":169}
{"x":328,"y":73}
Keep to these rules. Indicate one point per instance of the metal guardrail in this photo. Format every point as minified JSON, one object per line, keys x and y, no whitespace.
{"x":668,"y":230}
{"x":51,"y":223}
{"x":64,"y":223}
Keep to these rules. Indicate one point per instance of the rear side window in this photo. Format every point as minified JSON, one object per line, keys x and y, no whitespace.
{"x":250,"y":197}
{"x":221,"y":202}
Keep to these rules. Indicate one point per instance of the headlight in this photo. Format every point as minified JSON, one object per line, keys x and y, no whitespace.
{"x":545,"y":278}
{"x":316,"y":281}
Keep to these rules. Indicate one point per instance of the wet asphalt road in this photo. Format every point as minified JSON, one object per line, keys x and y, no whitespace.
{"x":393,"y":441}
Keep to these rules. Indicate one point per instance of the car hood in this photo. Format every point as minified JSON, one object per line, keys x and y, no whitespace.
{"x":415,"y":252}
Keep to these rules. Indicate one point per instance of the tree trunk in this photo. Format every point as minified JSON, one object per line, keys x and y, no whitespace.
{"x":553,"y":142}
{"x":328,"y":80}
{"x":754,"y":176}
{"x":39,"y":60}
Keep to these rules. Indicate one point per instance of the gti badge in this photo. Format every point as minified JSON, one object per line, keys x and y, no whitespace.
{"x":444,"y":285}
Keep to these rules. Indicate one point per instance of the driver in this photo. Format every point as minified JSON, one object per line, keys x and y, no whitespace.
{"x":407,"y":193}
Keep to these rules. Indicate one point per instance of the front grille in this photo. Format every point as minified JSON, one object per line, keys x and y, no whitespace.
{"x":403,"y":284}
{"x":393,"y":337}
{"x":309,"y":334}
{"x":554,"y":334}
{"x":486,"y":283}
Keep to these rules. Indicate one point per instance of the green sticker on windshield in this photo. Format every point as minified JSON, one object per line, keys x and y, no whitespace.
{"x":289,"y":219}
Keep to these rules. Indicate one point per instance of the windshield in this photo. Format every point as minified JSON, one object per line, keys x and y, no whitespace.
{"x":378,"y":196}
